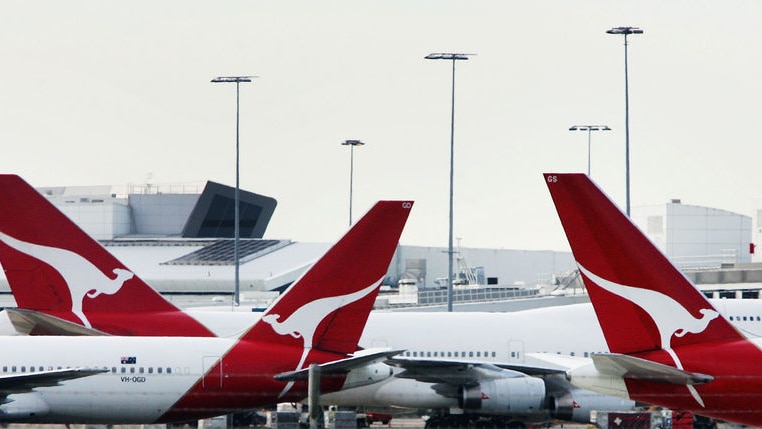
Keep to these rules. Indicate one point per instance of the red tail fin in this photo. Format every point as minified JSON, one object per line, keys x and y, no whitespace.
{"x":328,"y":306}
{"x":55,"y":267}
{"x":642,"y":301}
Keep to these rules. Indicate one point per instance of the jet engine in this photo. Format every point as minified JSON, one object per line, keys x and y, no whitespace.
{"x":516,"y":395}
{"x":367,"y":374}
{"x":575,"y":404}
{"x":23,"y":405}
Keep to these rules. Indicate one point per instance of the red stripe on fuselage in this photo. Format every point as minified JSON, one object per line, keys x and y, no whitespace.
{"x":247,"y":372}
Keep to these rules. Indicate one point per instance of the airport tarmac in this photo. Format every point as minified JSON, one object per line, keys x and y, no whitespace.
{"x":397,"y":423}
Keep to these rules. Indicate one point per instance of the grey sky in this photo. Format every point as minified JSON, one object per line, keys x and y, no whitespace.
{"x":95,"y":92}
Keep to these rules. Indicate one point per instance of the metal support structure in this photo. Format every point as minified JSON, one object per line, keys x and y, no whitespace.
{"x":589,"y":129}
{"x":351,"y":144}
{"x":236,"y":227}
{"x":313,"y":387}
{"x":451,"y":57}
{"x":626,"y":31}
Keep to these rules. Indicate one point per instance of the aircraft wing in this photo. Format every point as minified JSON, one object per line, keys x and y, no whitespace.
{"x":542,"y":363}
{"x":31,"y":322}
{"x":341,"y":366}
{"x":450,"y":372}
{"x":631,"y":367}
{"x":26,"y":382}
{"x":461,"y":371}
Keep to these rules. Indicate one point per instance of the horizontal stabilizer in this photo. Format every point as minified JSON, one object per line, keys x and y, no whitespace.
{"x":634,"y":368}
{"x":340,"y":366}
{"x":31,"y":322}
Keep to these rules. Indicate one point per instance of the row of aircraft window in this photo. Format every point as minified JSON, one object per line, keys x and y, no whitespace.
{"x":745,"y":318}
{"x":471,"y":354}
{"x":449,"y":354}
{"x":114,"y":370}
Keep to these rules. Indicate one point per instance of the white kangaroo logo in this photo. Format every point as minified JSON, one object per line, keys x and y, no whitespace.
{"x":82,"y":278}
{"x":670,"y":317}
{"x":303,"y":322}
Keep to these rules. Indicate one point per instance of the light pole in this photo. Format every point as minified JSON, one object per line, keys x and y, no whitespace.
{"x":451,"y":57}
{"x":589,"y":129}
{"x":236,"y":227}
{"x":351,"y":144}
{"x":625,"y":31}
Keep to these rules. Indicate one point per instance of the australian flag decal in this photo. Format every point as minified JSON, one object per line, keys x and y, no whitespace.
{"x":129,"y":360}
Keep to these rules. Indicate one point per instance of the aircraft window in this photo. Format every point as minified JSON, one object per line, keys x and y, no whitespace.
{"x":587,"y":354}
{"x":31,"y":368}
{"x":158,"y":370}
{"x":470,"y":354}
{"x":150,"y":370}
{"x":494,"y":354}
{"x":449,"y":354}
{"x":113,"y":370}
{"x":571,"y":354}
{"x":744,"y":318}
{"x":415,"y":354}
{"x":428,"y":354}
{"x":13,"y":368}
{"x":513,"y":354}
{"x":169,"y":370}
{"x":132,"y":370}
{"x":5,"y":369}
{"x":23,"y":369}
{"x":141,"y":370}
{"x":478,"y":354}
{"x":757,"y":318}
{"x":124,"y":370}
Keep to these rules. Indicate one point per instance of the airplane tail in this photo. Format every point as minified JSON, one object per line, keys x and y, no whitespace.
{"x":55,"y":267}
{"x":326,"y":309}
{"x":642,"y":301}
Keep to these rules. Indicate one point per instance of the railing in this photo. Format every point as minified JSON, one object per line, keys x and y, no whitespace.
{"x":482,"y":294}
{"x":709,"y":262}
{"x":160,"y":188}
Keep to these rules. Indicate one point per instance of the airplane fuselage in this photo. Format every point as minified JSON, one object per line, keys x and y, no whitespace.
{"x":148,"y":379}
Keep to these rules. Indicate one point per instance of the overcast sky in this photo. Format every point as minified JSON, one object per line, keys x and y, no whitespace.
{"x":118,"y":93}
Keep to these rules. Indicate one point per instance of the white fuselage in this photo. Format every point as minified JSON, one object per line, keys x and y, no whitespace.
{"x":505,"y":337}
{"x":145,"y":375}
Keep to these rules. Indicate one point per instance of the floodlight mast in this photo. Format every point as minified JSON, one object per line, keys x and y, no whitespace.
{"x":351,"y":144}
{"x":589,"y":129}
{"x":236,"y":227}
{"x":625,"y":31}
{"x":452,"y":57}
